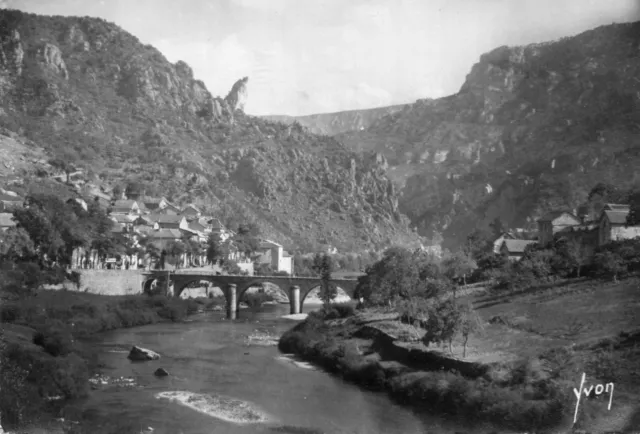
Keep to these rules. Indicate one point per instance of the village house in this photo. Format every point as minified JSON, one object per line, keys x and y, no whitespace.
{"x":191,"y":212}
{"x":125,"y":207}
{"x":613,"y":224}
{"x":497,"y":243}
{"x":169,"y":209}
{"x":9,"y":202}
{"x":199,"y":230}
{"x":553,"y":222}
{"x":514,"y":249}
{"x":218,"y":228}
{"x":169,"y":221}
{"x":124,"y":220}
{"x":153,"y":204}
{"x":162,"y":237}
{"x":275,"y":256}
{"x":6,"y":221}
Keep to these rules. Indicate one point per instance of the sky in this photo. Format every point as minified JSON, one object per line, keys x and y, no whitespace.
{"x":319,"y":56}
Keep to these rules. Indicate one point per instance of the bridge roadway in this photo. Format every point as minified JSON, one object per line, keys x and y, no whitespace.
{"x":234,"y":287}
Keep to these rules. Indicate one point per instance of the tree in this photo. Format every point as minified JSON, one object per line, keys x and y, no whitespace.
{"x":633,"y":218}
{"x":392,"y":278}
{"x":117,"y":192}
{"x":246,"y":238}
{"x":328,"y":290}
{"x":498,"y":227}
{"x":459,"y":266}
{"x":232,"y":267}
{"x":575,"y":253}
{"x":176,"y":249}
{"x":400,"y":274}
{"x":134,"y":190}
{"x":443,"y":321}
{"x":16,"y":246}
{"x":54,"y":227}
{"x":610,"y":264}
{"x":477,"y":244}
{"x":215,"y":249}
{"x":471,"y":323}
{"x":262,"y":269}
{"x":66,"y":162}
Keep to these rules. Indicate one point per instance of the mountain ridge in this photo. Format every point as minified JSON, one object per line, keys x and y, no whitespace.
{"x":88,"y":91}
{"x":338,"y":122}
{"x":533,"y":128}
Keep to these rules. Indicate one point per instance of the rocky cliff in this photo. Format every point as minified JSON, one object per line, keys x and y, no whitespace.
{"x":340,"y":122}
{"x":89,"y":92}
{"x":532,"y":129}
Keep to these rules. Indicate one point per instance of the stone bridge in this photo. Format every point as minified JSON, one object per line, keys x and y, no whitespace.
{"x":234,"y":287}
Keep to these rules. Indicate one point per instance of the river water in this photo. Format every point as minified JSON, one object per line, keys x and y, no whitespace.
{"x":234,"y":386}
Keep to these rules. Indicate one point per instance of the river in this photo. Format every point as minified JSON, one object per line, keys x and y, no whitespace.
{"x":231,"y":383}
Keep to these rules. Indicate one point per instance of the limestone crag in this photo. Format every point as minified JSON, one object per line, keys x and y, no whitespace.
{"x":50,"y":56}
{"x":237,"y":96}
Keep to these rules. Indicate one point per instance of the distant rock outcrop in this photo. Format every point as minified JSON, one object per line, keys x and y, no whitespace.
{"x":340,"y":122}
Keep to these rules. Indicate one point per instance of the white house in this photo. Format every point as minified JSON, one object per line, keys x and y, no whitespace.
{"x":273,"y":254}
{"x":613,"y":225}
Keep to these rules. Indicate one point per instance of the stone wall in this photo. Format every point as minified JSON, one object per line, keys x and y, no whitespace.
{"x":109,"y":282}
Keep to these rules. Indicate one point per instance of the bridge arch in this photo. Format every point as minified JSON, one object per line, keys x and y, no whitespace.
{"x":181,"y":285}
{"x":258,"y":282}
{"x":155,"y":285}
{"x":210,"y":288}
{"x":312,"y":287}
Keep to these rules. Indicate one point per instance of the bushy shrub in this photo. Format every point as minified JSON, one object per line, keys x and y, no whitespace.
{"x":55,"y":338}
{"x":338,"y":310}
{"x":255,"y":299}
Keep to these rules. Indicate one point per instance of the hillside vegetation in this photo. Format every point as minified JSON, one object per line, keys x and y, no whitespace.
{"x":88,"y":92}
{"x":532,"y":129}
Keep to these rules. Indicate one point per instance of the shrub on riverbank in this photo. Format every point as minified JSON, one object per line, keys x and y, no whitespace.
{"x":43,"y":357}
{"x":522,"y":396}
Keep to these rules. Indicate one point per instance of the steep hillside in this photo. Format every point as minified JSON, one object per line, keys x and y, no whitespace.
{"x":532,"y":128}
{"x":340,"y":122}
{"x":87,"y":91}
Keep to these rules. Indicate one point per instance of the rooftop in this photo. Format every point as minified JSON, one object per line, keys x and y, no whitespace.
{"x":166,"y":234}
{"x":124,"y":203}
{"x":616,"y":207}
{"x":517,"y":246}
{"x":617,"y":217}
{"x":169,"y":218}
{"x":552,"y":215}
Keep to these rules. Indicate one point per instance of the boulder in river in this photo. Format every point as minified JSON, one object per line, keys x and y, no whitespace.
{"x":142,"y":354}
{"x":161,"y":372}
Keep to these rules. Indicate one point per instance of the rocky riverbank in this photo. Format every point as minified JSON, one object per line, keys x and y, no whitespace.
{"x":378,"y":352}
{"x":50,"y":331}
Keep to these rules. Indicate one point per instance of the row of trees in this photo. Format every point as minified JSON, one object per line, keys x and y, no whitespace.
{"x":48,"y":230}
